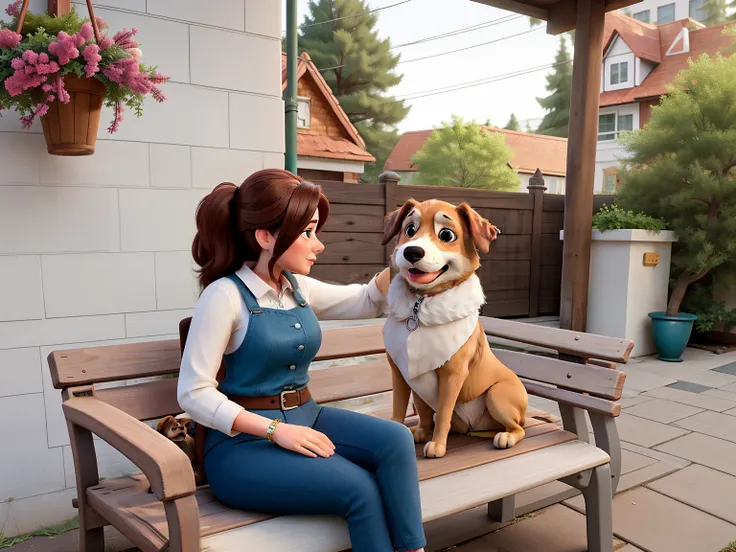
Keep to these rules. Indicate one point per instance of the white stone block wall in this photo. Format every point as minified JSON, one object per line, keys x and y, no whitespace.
{"x":96,"y":250}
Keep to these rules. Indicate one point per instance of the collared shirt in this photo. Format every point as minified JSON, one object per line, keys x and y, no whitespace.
{"x":220,"y":321}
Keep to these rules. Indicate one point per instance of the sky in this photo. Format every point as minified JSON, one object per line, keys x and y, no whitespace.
{"x":496,"y":101}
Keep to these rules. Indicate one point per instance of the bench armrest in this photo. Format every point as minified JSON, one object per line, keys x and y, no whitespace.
{"x":167,"y":467}
{"x":586,"y":402}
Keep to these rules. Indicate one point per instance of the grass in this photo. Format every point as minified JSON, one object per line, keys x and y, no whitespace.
{"x":51,"y":531}
{"x":730,"y":548}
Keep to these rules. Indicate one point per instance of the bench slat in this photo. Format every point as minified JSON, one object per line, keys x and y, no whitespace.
{"x":587,"y":378}
{"x":347,"y":382}
{"x":144,"y":401}
{"x":578,"y":344}
{"x":351,"y":342}
{"x":593,"y":404}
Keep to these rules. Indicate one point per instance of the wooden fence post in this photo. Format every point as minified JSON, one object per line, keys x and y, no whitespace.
{"x":537,"y":188}
{"x":390,"y":182}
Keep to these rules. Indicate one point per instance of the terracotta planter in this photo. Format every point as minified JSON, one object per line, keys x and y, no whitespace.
{"x":71,"y":128}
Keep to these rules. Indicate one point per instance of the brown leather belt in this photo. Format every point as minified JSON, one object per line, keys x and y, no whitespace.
{"x":286,"y":400}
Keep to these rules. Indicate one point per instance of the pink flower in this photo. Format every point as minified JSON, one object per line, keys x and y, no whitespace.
{"x":92,"y":57}
{"x":125,"y":72}
{"x":40,"y":111}
{"x":124,"y":38}
{"x":31,"y":70}
{"x":9,"y":39}
{"x":135,"y":52}
{"x":158,"y":78}
{"x":157,"y":94}
{"x":13,"y":9}
{"x":66,"y":47}
{"x":118,"y":118}
{"x":101,"y":23}
{"x":105,"y":43}
{"x":86,"y":32}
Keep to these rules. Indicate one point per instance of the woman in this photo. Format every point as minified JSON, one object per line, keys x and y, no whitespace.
{"x":271,"y":448}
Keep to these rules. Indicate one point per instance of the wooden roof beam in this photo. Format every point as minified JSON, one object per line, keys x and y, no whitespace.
{"x":518,"y":7}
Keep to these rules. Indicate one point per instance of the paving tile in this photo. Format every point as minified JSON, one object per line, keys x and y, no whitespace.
{"x":639,"y":477}
{"x":656,"y":522}
{"x":704,"y":449}
{"x":731,"y":412}
{"x":729,"y":388}
{"x":720,"y":394}
{"x":729,"y":368}
{"x":633,"y":401}
{"x":715,"y":424}
{"x":689,"y":386}
{"x":693,"y":399}
{"x":663,"y":411}
{"x":632,"y":461}
{"x":640,"y":380}
{"x":711,"y":378}
{"x":556,"y":529}
{"x":629,"y":548}
{"x":645,"y":432}
{"x":704,"y":488}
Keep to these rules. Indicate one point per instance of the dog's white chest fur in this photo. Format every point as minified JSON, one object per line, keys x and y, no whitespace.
{"x":446,"y":322}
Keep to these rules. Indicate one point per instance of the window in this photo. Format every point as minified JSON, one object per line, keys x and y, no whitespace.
{"x":643,"y":16}
{"x":665,"y":14}
{"x":609,"y":183}
{"x":620,"y":72}
{"x":696,"y":9}
{"x":303,"y":113}
{"x":610,"y":125}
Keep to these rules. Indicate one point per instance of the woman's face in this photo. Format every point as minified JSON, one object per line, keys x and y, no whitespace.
{"x":302,"y":254}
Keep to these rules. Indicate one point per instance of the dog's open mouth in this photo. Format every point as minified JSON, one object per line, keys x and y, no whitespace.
{"x":420,"y":277}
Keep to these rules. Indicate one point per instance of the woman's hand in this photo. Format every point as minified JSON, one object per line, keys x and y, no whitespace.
{"x":383,"y":281}
{"x":303,"y":440}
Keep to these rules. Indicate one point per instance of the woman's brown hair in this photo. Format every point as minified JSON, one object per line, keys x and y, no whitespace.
{"x":228,"y":217}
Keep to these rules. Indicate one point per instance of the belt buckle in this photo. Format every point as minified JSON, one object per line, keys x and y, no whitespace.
{"x":282,"y":399}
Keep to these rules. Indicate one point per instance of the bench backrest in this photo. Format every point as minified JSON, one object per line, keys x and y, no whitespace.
{"x":78,"y":370}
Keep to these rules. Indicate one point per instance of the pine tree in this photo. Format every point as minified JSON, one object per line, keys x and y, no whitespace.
{"x":559,"y":84}
{"x":682,"y":167}
{"x":713,"y":12}
{"x":466,"y":155}
{"x":362,"y":70}
{"x":528,"y":128}
{"x":513,"y":123}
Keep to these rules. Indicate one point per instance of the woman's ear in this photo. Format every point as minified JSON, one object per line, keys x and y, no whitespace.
{"x":265,"y":239}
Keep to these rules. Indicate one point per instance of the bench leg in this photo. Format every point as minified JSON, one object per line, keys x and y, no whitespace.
{"x":182,"y":515}
{"x":503,"y":509}
{"x":91,"y":525}
{"x":599,"y":510}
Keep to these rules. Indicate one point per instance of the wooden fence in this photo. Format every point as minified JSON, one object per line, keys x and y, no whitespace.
{"x":521,"y":274}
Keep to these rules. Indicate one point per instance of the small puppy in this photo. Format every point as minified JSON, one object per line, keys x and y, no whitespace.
{"x":179,"y":431}
{"x":434,"y":340}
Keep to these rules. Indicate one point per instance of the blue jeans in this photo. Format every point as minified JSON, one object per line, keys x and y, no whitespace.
{"x":371,"y":480}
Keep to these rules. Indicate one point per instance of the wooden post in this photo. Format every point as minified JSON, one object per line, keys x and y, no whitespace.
{"x":59,"y":7}
{"x":390,"y":182}
{"x":537,"y":188}
{"x":581,"y":148}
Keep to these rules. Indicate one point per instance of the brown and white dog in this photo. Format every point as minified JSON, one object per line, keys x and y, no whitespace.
{"x":435,"y":343}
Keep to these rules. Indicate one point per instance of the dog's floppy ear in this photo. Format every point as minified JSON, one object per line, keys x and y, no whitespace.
{"x":163,"y":422}
{"x":186,"y":422}
{"x":481,"y":230}
{"x":392,"y":221}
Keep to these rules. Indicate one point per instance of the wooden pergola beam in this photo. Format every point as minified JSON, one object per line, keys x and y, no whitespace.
{"x":581,"y":149}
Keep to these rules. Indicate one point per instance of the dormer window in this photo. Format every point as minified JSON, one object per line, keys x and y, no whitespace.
{"x":620,"y":72}
{"x":303,"y":113}
{"x":665,"y":14}
{"x":643,"y":16}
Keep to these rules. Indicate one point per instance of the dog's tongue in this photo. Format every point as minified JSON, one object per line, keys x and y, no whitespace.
{"x":423,"y":277}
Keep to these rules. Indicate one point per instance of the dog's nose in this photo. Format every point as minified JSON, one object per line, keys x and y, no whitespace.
{"x":413,"y":253}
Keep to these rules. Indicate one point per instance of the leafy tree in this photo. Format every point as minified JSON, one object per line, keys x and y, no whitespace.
{"x":559,"y":84}
{"x":342,"y":39}
{"x":528,"y":128}
{"x":682,"y":167}
{"x":513,"y":123}
{"x":714,"y":11}
{"x":466,"y":155}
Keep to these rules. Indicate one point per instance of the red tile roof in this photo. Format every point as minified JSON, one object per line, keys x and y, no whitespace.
{"x":642,"y":38}
{"x":530,"y":151}
{"x":331,"y":147}
{"x":702,"y":40}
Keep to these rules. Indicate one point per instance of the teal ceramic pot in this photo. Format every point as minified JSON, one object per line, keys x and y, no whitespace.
{"x":671,"y":334}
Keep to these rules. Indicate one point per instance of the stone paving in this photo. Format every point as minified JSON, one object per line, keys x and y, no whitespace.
{"x":677,"y":492}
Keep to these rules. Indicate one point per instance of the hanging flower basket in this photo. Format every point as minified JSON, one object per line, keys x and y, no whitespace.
{"x":63,"y":69}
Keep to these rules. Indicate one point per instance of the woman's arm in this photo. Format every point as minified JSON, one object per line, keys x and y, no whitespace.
{"x":347,"y":302}
{"x":213,"y":322}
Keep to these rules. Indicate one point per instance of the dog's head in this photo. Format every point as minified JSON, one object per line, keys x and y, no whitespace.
{"x":175,"y":429}
{"x":438,"y":242}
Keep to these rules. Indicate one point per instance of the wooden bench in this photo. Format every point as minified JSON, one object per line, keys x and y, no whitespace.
{"x":179,"y":517}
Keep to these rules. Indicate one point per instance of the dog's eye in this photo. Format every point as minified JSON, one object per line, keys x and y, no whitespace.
{"x":410,"y":230}
{"x":446,"y":235}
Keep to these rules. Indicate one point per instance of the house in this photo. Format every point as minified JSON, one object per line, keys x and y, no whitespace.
{"x":662,"y":12}
{"x":96,"y":250}
{"x":531,"y":151}
{"x":328,"y":146}
{"x":639,"y":59}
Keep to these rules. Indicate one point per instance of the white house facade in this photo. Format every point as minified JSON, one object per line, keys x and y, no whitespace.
{"x":95,"y":250}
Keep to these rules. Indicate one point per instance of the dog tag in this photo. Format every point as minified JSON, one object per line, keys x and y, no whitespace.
{"x":412,"y":324}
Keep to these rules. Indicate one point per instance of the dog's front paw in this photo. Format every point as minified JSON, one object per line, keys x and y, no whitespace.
{"x":504,"y":440}
{"x":420,"y":435}
{"x":434,"y":449}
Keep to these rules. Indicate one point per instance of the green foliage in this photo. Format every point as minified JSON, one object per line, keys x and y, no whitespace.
{"x":364,"y":70}
{"x":682,"y":168}
{"x":465,"y":155}
{"x":513,"y":123}
{"x":614,"y":218}
{"x":715,"y":12}
{"x":557,"y":104}
{"x":53,"y":530}
{"x":730,"y":30}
